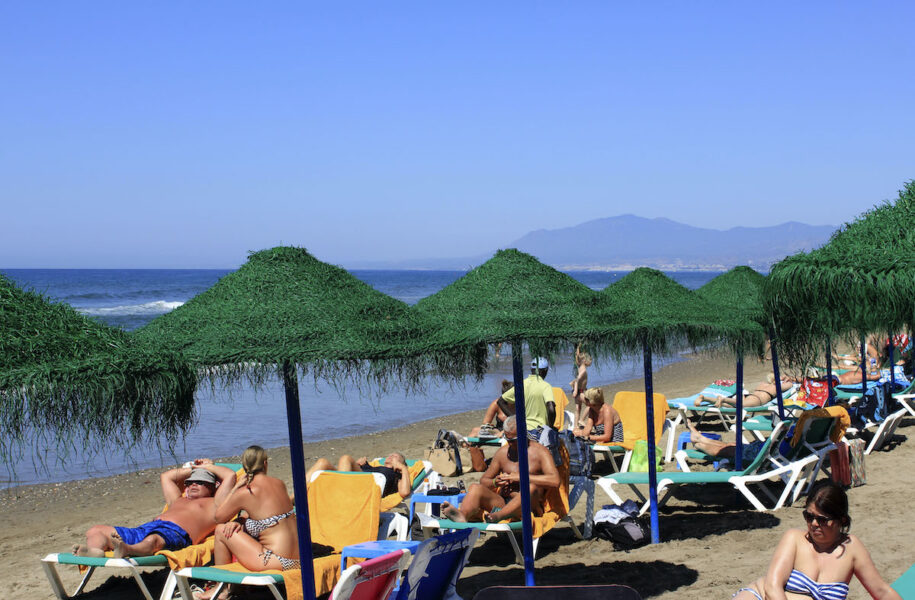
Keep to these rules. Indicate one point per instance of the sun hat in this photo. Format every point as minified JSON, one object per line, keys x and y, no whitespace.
{"x":202,"y":476}
{"x":540,"y":363}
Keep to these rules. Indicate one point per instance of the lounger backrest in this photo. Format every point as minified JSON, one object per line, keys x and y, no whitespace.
{"x":437,"y":565}
{"x":344,"y":509}
{"x":631,"y":408}
{"x":561,"y":400}
{"x":373,"y":579}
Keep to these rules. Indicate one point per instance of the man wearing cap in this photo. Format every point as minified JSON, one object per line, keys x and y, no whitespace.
{"x":188,"y":519}
{"x":539,"y":406}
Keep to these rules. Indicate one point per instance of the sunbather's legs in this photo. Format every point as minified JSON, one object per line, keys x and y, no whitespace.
{"x":250,"y":552}
{"x":322,"y":464}
{"x":347,"y":463}
{"x":512,"y":508}
{"x":98,"y":540}
{"x":148,"y":545}
{"x":478,"y":499}
{"x":708,"y":445}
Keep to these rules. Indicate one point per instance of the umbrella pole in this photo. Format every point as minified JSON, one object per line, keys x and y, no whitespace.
{"x":830,"y":394}
{"x":863,"y":369}
{"x":652,"y":467}
{"x":777,"y":375}
{"x":297,"y":456}
{"x":892,"y":360}
{"x":527,"y":528}
{"x":738,"y":450}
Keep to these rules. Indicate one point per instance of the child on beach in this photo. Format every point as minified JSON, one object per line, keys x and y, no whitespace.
{"x":580,"y":384}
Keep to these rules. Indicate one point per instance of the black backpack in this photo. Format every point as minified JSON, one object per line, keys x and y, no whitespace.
{"x":629,"y":533}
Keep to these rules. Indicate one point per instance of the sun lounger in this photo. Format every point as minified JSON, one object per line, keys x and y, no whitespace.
{"x":631,"y":408}
{"x":373,"y":579}
{"x":762,"y":468}
{"x":555,"y":509}
{"x":344,"y":509}
{"x":198,"y":554}
{"x":437,"y":566}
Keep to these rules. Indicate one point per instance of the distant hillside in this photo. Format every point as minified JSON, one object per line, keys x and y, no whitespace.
{"x":627,"y":241}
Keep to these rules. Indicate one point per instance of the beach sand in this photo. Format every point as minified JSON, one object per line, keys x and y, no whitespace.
{"x":712,"y":542}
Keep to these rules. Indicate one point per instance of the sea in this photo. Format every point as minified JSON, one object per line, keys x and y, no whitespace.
{"x":230,"y":420}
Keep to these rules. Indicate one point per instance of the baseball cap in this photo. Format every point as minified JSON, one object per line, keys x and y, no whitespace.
{"x":201,"y":475}
{"x":540,"y":363}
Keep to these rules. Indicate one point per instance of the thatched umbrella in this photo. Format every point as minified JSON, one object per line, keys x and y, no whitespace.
{"x":285,"y":311}
{"x":862,"y":280}
{"x":64,"y":377}
{"x":741,"y":290}
{"x":665,"y":316}
{"x":515,"y":298}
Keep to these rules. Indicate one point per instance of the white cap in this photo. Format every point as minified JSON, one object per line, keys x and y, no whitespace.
{"x":540,"y":363}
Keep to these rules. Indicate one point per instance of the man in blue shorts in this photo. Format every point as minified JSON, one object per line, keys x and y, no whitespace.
{"x":188,"y":519}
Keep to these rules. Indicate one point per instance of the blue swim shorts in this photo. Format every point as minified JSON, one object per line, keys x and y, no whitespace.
{"x":175,"y":537}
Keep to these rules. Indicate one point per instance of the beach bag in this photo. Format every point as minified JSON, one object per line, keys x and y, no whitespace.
{"x":639,"y":461}
{"x":445,"y":454}
{"x":620,"y":526}
{"x":839,"y":467}
{"x":581,"y":454}
{"x":856,"y":462}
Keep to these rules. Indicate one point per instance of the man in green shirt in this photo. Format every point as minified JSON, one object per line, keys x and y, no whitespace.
{"x":539,"y":405}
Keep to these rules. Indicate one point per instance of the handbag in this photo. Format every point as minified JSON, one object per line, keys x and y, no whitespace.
{"x":856,"y":462}
{"x":445,"y":454}
{"x":838,"y":463}
{"x":639,"y":461}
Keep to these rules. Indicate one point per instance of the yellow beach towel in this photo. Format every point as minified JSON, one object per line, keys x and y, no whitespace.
{"x":830,"y":411}
{"x":561,"y":400}
{"x":631,"y":408}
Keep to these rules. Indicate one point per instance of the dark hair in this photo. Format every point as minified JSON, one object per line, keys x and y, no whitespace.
{"x":507,"y":385}
{"x":831,"y":500}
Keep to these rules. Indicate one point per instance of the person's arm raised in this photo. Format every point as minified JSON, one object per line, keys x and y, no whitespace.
{"x":869,"y":576}
{"x":172,"y":482}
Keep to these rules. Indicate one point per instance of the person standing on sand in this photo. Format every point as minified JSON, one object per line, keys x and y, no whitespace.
{"x":539,"y":405}
{"x":579,"y":385}
{"x":498,"y":497}
{"x":190,"y":517}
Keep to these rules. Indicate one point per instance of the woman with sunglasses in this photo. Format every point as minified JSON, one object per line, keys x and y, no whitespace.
{"x":818,"y":562}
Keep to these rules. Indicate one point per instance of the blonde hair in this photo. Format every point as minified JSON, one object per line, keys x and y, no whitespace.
{"x":594,"y":395}
{"x":582,"y":357}
{"x":253,"y":462}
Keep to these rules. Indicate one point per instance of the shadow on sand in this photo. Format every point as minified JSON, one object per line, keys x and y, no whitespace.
{"x":647,"y":578}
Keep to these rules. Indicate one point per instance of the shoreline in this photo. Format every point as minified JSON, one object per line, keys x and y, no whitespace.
{"x":698,"y":527}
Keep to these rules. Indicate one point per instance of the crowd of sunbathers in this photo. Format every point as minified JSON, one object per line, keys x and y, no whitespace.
{"x":206,"y":499}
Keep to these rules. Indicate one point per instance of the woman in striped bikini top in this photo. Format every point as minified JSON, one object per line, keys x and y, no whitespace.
{"x":824,"y":551}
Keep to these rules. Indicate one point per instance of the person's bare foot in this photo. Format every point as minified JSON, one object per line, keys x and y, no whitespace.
{"x":118,"y":546}
{"x":493,"y":517}
{"x":451,"y":512}
{"x":702,"y":401}
{"x":81,"y":550}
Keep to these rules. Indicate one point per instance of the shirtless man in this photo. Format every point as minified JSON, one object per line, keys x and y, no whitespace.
{"x":497,"y":495}
{"x":189,"y":518}
{"x":394,"y":469}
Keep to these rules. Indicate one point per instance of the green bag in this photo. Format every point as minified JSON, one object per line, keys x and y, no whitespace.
{"x":639,"y":461}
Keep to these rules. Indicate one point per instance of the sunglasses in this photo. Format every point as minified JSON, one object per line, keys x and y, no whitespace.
{"x":821,"y":520}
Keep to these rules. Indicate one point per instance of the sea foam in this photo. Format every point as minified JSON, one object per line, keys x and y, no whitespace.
{"x":158,"y":307}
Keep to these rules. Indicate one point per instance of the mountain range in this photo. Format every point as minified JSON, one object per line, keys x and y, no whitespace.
{"x":625,"y":242}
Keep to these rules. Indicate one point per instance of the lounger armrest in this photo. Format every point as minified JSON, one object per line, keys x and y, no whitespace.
{"x":790,"y":467}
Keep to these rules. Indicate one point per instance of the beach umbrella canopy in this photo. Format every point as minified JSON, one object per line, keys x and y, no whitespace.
{"x":65,"y":377}
{"x":285,"y":311}
{"x":515,"y":298}
{"x":861,"y":281}
{"x":665,"y":316}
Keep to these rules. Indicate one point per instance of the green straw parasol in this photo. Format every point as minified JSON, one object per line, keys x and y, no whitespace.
{"x":64,"y":377}
{"x":285,"y":311}
{"x":862,"y":280}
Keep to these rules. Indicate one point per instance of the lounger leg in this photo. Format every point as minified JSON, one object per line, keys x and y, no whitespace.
{"x":57,"y":586}
{"x":519,"y":557}
{"x":168,"y":591}
{"x":140,"y":583}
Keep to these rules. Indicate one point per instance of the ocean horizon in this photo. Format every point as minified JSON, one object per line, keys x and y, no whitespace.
{"x":130,"y":298}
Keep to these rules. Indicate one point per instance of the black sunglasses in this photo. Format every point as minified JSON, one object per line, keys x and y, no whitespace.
{"x":821,"y":520}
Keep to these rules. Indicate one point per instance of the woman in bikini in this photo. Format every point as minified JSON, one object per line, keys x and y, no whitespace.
{"x":603,"y":424}
{"x":819,"y":561}
{"x":267,"y":539}
{"x":762,"y":394}
{"x":580,"y":384}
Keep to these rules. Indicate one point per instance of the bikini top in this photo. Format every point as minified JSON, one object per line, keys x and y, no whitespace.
{"x":799,"y":583}
{"x":254,"y":527}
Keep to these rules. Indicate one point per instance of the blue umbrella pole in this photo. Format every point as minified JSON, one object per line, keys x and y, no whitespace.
{"x":830,"y":393}
{"x":738,"y":450}
{"x":294,"y":421}
{"x":776,"y":374}
{"x":863,"y":369}
{"x":892,"y":360}
{"x":527,"y":528}
{"x":652,"y":467}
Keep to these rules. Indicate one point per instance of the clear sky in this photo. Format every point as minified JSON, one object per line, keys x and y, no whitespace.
{"x":167,"y":134}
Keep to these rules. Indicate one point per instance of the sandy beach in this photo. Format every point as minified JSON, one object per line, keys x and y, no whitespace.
{"x":712,"y":542}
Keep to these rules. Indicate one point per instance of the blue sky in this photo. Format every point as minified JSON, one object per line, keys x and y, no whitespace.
{"x":185,"y":134}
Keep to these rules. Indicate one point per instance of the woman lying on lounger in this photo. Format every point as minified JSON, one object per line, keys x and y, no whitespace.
{"x":762,"y":394}
{"x":819,"y":561}
{"x":602,"y":424}
{"x":267,"y":539}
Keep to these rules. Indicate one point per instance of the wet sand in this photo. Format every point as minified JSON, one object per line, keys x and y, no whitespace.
{"x":712,"y":541}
